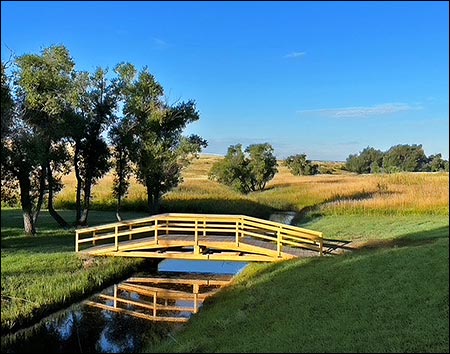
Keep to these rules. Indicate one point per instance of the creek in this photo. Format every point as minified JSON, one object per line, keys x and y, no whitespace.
{"x":130,"y":314}
{"x":141,"y":310}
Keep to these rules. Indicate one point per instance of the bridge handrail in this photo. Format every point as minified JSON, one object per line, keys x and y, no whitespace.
{"x":200,"y":224}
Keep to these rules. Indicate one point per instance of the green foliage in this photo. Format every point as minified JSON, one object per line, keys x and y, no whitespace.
{"x":399,"y":158}
{"x":157,"y":148}
{"x":367,"y":161}
{"x":435,"y":163}
{"x":97,"y":100}
{"x":7,"y":103}
{"x":410,"y":158}
{"x":300,"y":165}
{"x":246,"y":172}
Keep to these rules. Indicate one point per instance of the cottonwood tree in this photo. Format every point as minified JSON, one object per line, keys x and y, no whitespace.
{"x":404,"y":157}
{"x":159,"y":150}
{"x":33,"y":149}
{"x":299,"y":165}
{"x":45,"y":91}
{"x":122,"y":144}
{"x":369,"y":160}
{"x":246,"y":171}
{"x":96,"y":103}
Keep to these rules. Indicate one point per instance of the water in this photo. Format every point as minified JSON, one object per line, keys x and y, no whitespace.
{"x":284,"y":217}
{"x":127,"y":315}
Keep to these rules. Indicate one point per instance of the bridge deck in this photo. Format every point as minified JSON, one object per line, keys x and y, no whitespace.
{"x":201,"y":237}
{"x":171,"y":246}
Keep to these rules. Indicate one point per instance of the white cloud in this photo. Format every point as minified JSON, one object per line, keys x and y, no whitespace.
{"x":361,"y":112}
{"x":159,"y":43}
{"x":295,"y":55}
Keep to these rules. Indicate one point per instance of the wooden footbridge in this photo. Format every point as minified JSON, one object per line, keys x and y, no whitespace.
{"x":200,"y":237}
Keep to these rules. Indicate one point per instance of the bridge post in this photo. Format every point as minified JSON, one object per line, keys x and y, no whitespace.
{"x":116,"y":238}
{"x":196,"y":247}
{"x":321,"y":246}
{"x":76,"y":241}
{"x":156,"y":231}
{"x":237,"y":233}
{"x":279,"y":241}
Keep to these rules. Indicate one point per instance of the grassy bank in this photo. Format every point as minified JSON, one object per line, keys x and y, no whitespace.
{"x":392,"y":294}
{"x":384,"y":299}
{"x":42,"y":274}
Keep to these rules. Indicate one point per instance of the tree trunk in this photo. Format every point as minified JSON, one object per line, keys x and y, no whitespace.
{"x":58,"y":218}
{"x":82,"y":221}
{"x":120,"y":187}
{"x":79,"y":183}
{"x":119,"y":200}
{"x":42,"y":180}
{"x":152,"y":201}
{"x":25,"y":201}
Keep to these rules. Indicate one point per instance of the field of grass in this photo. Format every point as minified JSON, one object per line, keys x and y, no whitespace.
{"x":388,"y":300}
{"x":331,"y":194}
{"x":42,"y":274}
{"x":389,"y":296}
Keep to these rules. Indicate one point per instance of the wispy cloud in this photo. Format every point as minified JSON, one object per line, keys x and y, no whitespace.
{"x":295,"y":55}
{"x":361,"y":112}
{"x":159,"y":43}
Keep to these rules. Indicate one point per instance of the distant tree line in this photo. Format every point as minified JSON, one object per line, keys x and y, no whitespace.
{"x":399,"y":158}
{"x":55,"y":119}
{"x":250,"y":170}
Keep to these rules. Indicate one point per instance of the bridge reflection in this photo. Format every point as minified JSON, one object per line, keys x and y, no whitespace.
{"x":166,"y":297}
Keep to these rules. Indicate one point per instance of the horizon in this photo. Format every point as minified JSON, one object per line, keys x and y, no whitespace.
{"x":325,"y":79}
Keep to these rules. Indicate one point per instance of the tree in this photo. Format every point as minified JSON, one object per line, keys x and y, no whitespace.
{"x":246,"y":171}
{"x":159,"y":150}
{"x":121,"y":141}
{"x":299,"y":165}
{"x":435,"y":163}
{"x":409,"y":158}
{"x":97,"y":100}
{"x":45,"y":92}
{"x":262,"y":165}
{"x":369,"y":160}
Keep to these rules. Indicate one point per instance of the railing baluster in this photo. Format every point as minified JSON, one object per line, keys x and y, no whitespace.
{"x":279,"y":241}
{"x":116,"y":237}
{"x":196,"y":246}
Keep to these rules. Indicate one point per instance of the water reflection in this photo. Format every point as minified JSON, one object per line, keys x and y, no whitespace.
{"x":142,"y":309}
{"x":167,"y":297}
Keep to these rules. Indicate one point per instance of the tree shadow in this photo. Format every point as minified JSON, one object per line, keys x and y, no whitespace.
{"x":408,"y":240}
{"x":218,"y":206}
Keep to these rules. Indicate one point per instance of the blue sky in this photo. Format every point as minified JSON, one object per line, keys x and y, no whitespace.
{"x":322,"y":78}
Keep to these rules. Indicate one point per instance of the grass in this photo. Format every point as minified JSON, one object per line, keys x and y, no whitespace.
{"x":389,"y":296}
{"x":332,"y":194}
{"x":372,"y":301}
{"x":42,"y":274}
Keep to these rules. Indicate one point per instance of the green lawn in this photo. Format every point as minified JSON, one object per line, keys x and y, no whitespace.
{"x":42,"y":274}
{"x":390,"y":297}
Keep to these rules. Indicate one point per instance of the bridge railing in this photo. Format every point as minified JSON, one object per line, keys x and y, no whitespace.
{"x":197,"y":226}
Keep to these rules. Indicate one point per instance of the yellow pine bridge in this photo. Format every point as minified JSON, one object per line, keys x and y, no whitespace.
{"x":200,"y":237}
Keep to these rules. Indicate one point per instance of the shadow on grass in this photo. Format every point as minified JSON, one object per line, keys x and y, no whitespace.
{"x":412,"y":239}
{"x":50,"y":242}
{"x":217,"y":206}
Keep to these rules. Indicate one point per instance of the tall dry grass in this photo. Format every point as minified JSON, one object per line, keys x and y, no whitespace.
{"x":345,"y":193}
